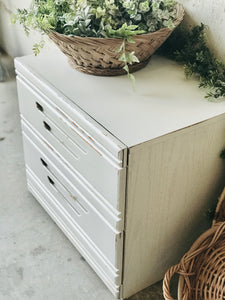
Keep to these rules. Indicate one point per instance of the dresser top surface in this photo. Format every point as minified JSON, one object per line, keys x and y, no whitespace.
{"x":163,"y":100}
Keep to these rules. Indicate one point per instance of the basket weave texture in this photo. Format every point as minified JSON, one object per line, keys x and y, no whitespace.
{"x":202,"y":268}
{"x":98,"y":56}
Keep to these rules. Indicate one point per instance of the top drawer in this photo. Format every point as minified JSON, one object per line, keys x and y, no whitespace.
{"x":101,"y":168}
{"x":78,"y":117}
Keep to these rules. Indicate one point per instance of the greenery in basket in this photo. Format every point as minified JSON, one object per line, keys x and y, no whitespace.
{"x":98,"y":18}
{"x":188,"y":46}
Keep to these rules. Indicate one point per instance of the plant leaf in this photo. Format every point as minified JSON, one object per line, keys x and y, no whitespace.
{"x":132,"y":79}
{"x":123,"y":57}
{"x":126,"y":68}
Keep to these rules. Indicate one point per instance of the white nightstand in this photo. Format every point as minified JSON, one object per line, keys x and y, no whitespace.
{"x":128,"y":176}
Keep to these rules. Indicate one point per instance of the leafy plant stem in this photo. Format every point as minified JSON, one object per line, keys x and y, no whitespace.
{"x":126,"y":66}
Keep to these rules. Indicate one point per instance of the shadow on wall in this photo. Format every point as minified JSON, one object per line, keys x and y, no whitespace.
{"x":7,"y":70}
{"x":12,"y":36}
{"x":211,"y":13}
{"x":6,"y":10}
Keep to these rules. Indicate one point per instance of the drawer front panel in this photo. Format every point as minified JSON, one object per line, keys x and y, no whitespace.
{"x":72,"y":126}
{"x":101,"y":170}
{"x":80,"y":240}
{"x":68,"y":106}
{"x":49,"y":159}
{"x":80,"y":209}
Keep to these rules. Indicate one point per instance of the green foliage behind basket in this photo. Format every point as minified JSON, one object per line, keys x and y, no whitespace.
{"x":222,"y":154}
{"x":188,"y":46}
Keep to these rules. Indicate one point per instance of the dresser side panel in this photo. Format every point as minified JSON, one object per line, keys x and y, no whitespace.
{"x":172,"y":182}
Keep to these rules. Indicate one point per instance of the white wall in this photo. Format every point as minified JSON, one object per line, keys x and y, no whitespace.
{"x":210,"y":12}
{"x":12,"y":37}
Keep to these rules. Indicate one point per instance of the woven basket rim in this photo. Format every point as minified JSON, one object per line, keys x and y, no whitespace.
{"x":90,"y":38}
{"x":98,"y":55}
{"x":205,"y":245}
{"x":179,"y":18}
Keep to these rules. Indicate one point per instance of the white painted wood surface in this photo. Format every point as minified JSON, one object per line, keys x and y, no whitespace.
{"x":71,"y":204}
{"x":76,"y":146}
{"x":64,"y":105}
{"x":79,"y":149}
{"x":172,"y":182}
{"x":72,"y":180}
{"x":164,"y":101}
{"x":77,"y":205}
{"x":157,"y":148}
{"x":78,"y":237}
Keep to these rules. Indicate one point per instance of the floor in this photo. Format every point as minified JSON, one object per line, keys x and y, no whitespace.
{"x":36,"y":260}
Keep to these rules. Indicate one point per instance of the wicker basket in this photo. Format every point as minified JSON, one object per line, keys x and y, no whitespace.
{"x":202,"y":268}
{"x":98,"y":56}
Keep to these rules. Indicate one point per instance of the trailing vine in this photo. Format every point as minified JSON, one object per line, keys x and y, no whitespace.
{"x":127,"y":58}
{"x":125,"y":33}
{"x":188,"y":46}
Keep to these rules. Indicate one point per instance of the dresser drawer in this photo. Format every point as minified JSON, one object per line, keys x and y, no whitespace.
{"x":50,"y":159}
{"x":70,"y":113}
{"x":56,"y":209}
{"x":95,"y":164}
{"x":80,"y":209}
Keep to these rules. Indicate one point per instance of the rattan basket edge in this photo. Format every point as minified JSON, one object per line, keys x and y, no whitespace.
{"x":98,"y":56}
{"x":202,"y":268}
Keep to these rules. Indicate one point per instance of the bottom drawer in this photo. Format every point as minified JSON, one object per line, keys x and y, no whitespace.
{"x":80,"y":240}
{"x":80,"y":209}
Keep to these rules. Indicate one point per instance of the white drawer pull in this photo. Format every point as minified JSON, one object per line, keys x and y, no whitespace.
{"x":39,"y":106}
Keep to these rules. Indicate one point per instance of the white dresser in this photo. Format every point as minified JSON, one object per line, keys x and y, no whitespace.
{"x":127,"y":176}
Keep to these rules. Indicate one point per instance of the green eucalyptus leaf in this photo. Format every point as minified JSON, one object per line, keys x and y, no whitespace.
{"x":130,"y":40}
{"x":132,"y":27}
{"x":121,"y":47}
{"x":13,"y":18}
{"x":126,"y":68}
{"x":123,"y":57}
{"x":132,"y":79}
{"x":133,"y":58}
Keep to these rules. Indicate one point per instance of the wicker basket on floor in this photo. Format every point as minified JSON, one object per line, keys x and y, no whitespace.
{"x":98,"y":56}
{"x":202,"y":268}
